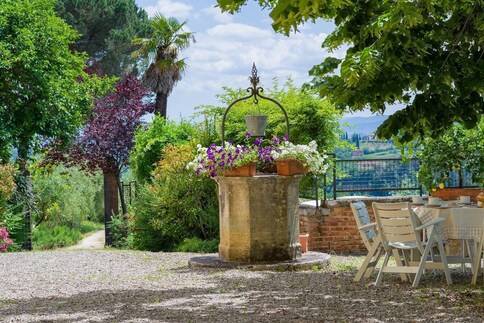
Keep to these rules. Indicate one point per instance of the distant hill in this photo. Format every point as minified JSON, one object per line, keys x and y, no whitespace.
{"x":362,"y":125}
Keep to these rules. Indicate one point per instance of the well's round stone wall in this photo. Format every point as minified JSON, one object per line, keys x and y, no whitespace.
{"x":258,"y":218}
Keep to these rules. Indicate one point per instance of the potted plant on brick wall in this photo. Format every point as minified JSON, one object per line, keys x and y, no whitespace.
{"x":457,"y":152}
{"x":229,"y":160}
{"x":294,"y":159}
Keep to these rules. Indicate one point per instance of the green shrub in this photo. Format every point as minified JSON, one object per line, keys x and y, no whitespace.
{"x":12,"y":219}
{"x":457,"y":150}
{"x":119,"y":231}
{"x":10,"y":216}
{"x":45,"y":237}
{"x":48,"y":237}
{"x":66,"y":196}
{"x":198,"y":245}
{"x":150,"y":141}
{"x":90,"y":226}
{"x":176,"y":205}
{"x":7,"y":185}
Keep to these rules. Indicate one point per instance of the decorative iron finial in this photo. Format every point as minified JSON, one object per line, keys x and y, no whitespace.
{"x":254,"y":78}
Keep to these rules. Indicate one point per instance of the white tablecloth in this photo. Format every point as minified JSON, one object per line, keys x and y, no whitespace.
{"x":460,"y":222}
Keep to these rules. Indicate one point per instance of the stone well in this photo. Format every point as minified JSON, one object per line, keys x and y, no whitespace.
{"x":258,"y":218}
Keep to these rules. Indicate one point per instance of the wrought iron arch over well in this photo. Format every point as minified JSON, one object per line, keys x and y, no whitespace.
{"x":255,"y":92}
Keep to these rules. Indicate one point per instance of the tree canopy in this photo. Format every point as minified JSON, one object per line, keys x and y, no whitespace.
{"x":107,"y":29}
{"x":44,"y":92}
{"x":108,"y":136}
{"x":426,"y":55}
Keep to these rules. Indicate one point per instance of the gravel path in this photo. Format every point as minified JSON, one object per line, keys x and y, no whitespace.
{"x":92,"y":241}
{"x":128,"y":286}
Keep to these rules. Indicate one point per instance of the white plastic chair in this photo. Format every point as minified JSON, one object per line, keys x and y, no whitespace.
{"x":370,"y":238}
{"x":400,"y":230}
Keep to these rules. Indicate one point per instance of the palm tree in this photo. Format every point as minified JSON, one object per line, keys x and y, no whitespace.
{"x":161,"y":51}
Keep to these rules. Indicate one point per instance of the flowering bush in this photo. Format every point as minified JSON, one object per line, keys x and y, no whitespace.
{"x":308,"y":155}
{"x":5,"y":241}
{"x":213,"y":160}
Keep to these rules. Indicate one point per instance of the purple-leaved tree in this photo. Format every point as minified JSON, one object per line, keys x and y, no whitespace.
{"x":106,"y":140}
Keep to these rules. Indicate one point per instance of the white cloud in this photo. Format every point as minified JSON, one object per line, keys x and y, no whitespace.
{"x":217,"y":15}
{"x":238,"y":31}
{"x":169,"y":8}
{"x":223,"y":56}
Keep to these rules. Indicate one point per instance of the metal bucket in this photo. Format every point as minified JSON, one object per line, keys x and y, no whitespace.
{"x":256,"y":125}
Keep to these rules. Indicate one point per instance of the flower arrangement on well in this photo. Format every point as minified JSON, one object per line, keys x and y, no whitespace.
{"x":287,"y":155}
{"x":5,"y":241}
{"x":218,"y":160}
{"x":241,"y":160}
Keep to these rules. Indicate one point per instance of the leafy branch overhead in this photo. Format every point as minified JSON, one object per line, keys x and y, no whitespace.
{"x":426,"y":56}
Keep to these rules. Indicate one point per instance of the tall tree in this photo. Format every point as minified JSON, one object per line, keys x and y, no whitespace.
{"x":426,"y":55}
{"x":44,"y":92}
{"x":162,"y":51}
{"x":105,"y":142}
{"x":107,"y":29}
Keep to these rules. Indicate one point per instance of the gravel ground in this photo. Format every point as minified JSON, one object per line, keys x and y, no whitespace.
{"x":128,"y":286}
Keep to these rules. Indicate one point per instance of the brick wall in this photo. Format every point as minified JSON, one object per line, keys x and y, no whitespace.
{"x":333,"y":228}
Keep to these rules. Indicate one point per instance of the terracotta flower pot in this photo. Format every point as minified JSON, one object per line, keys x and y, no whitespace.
{"x":303,"y":241}
{"x":256,"y":125}
{"x":289,"y":167}
{"x":242,"y":171}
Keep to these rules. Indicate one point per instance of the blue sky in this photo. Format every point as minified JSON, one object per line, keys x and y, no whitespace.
{"x":226,"y":45}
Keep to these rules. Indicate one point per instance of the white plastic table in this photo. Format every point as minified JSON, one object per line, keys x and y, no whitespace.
{"x":461,"y":223}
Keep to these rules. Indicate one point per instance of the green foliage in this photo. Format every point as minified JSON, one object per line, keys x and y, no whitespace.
{"x":150,"y":141}
{"x":176,"y":205}
{"x":45,"y":237}
{"x":310,"y":117}
{"x":43,"y":89}
{"x":12,"y":218}
{"x":107,"y":29}
{"x":90,"y":226}
{"x":7,"y":185}
{"x":425,"y":55}
{"x":119,"y":231}
{"x":198,"y":245}
{"x":457,"y":150}
{"x":66,"y":196}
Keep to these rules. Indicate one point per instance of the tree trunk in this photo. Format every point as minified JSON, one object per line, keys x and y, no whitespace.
{"x":111,"y":204}
{"x":161,"y":104}
{"x":26,"y":195}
